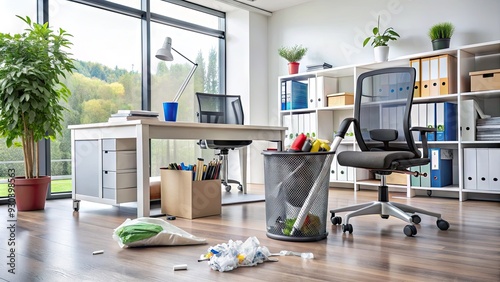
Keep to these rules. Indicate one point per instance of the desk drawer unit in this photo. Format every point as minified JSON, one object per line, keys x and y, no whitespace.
{"x":119,"y":173}
{"x":119,"y":179}
{"x":118,"y":160}
{"x":118,"y":144}
{"x":120,"y":195}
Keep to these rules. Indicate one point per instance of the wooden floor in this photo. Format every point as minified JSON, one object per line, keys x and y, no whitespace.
{"x":57,"y":244}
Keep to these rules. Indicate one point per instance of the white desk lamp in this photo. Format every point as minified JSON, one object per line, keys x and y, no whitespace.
{"x":165,"y":54}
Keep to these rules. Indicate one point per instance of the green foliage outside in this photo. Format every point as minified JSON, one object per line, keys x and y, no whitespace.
{"x":57,"y":186}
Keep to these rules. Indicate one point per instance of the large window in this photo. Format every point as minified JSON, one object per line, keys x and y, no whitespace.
{"x":12,"y":158}
{"x":109,"y":52}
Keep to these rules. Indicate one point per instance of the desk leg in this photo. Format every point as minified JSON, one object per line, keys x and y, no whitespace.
{"x":243,"y":168}
{"x":143,"y":201}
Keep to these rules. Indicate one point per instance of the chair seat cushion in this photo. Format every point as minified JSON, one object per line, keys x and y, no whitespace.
{"x":379,"y":159}
{"x":227,"y":144}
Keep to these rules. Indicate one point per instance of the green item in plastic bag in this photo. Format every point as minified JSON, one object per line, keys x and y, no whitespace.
{"x":138,"y":231}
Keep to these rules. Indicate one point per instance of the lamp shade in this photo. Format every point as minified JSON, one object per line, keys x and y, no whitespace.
{"x":165,"y":52}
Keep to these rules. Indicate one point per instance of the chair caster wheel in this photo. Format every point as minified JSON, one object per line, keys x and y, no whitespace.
{"x":76,"y":205}
{"x":416,"y":219}
{"x":240,"y":187}
{"x":228,"y":188}
{"x":347,"y":228}
{"x":384,"y":216}
{"x":336,"y":220}
{"x":410,"y":230}
{"x":442,"y":224}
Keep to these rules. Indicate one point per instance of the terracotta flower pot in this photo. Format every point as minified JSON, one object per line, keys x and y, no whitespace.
{"x":31,"y":193}
{"x":293,"y":68}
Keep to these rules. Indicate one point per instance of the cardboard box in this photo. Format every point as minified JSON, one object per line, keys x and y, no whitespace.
{"x":396,"y":179}
{"x":155,"y":188}
{"x":183,"y":197}
{"x":340,"y":99}
{"x":485,"y":80}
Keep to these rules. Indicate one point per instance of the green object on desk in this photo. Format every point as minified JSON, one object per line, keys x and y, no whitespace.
{"x":139,"y":231}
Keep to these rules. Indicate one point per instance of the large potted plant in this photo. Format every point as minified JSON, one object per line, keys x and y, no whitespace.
{"x":31,"y":66}
{"x":380,"y":41}
{"x":440,"y":35}
{"x":293,"y":55}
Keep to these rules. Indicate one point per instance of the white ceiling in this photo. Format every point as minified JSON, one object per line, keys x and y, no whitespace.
{"x":263,"y":6}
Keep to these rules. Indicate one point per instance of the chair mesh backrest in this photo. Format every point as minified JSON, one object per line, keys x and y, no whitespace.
{"x":217,"y":108}
{"x":383,"y":101}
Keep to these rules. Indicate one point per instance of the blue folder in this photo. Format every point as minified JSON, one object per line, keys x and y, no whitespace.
{"x":446,"y":121}
{"x":296,"y":95}
{"x":441,"y":167}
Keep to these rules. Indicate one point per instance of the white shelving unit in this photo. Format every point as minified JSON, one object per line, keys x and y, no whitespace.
{"x":323,"y":121}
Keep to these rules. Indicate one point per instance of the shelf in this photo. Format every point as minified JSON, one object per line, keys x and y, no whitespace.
{"x":448,"y":51}
{"x":337,"y":108}
{"x":483,"y":49}
{"x":299,"y":76}
{"x":480,"y":144}
{"x":297,"y":111}
{"x":481,"y":94}
{"x":434,"y":99}
{"x":450,"y":188}
{"x":481,"y":191}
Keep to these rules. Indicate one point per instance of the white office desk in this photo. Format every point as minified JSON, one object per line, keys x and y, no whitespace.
{"x":87,"y":158}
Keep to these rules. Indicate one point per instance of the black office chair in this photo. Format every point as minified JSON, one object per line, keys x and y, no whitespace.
{"x":226,"y":109}
{"x":382,"y":128}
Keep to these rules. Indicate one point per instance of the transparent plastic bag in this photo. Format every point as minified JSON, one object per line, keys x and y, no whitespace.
{"x":228,"y":256}
{"x":171,"y":235}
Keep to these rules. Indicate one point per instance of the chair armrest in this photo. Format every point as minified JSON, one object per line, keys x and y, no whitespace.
{"x":423,"y":131}
{"x":344,"y":126}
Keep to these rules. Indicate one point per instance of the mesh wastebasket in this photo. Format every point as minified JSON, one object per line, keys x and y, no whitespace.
{"x":291,"y":180}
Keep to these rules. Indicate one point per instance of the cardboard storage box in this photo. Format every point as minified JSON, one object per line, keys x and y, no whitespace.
{"x":183,"y":197}
{"x":485,"y":80}
{"x":340,"y":99}
{"x":155,"y":188}
{"x":397,"y":179}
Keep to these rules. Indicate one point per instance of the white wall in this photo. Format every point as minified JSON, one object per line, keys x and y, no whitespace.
{"x":247,"y":76}
{"x":334,"y":30}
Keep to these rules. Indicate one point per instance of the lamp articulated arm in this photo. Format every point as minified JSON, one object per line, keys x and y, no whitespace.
{"x":188,"y":78}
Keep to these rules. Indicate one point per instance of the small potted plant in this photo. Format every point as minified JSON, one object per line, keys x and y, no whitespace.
{"x":293,"y":55}
{"x":31,"y":66}
{"x":440,"y":35}
{"x":380,"y":40}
